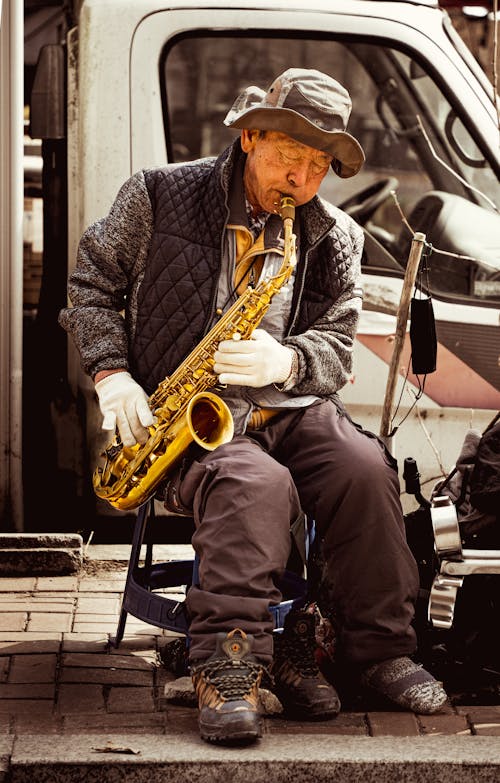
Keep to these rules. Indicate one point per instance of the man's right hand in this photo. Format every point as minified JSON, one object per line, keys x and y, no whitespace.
{"x":124,"y":404}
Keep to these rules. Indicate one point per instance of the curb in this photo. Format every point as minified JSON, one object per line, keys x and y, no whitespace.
{"x":314,"y":759}
{"x":45,"y":554}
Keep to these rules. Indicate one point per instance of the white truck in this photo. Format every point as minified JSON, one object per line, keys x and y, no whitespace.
{"x":140,"y":83}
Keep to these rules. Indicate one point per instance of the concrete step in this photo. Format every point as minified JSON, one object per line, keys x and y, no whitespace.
{"x":304,"y":759}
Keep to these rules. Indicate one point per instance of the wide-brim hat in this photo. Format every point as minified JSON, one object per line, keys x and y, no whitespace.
{"x":307,"y":105}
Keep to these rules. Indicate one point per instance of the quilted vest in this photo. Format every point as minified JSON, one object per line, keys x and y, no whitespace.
{"x":176,"y":299}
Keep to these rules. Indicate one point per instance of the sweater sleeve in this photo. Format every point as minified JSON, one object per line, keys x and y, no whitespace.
{"x":111,"y":258}
{"x":325,"y":350}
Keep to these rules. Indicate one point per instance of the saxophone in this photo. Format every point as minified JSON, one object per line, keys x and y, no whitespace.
{"x":184,"y":411}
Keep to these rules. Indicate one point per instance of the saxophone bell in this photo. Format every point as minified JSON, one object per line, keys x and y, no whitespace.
{"x":185,"y":412}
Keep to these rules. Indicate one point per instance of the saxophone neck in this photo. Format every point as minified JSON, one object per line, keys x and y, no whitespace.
{"x":287,"y":214}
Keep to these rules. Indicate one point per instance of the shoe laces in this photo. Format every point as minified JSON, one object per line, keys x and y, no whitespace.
{"x":232,"y":680}
{"x":300,"y":650}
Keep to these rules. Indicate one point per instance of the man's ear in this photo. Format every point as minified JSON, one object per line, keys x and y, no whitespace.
{"x":248,"y":139}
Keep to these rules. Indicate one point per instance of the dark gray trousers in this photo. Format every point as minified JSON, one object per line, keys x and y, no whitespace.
{"x":246,"y":494}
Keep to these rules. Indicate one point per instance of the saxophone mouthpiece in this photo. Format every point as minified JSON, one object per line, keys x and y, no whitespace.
{"x":287,"y":208}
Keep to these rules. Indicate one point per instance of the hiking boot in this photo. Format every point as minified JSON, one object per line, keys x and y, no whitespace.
{"x":298,"y":683}
{"x":227,"y":687}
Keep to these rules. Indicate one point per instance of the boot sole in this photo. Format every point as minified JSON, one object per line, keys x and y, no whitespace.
{"x":243,"y":733}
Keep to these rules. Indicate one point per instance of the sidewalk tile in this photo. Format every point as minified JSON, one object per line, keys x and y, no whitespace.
{"x":27,"y":691}
{"x":57,"y":621}
{"x":27,"y":644}
{"x":395,"y":724}
{"x":27,"y":706}
{"x":35,"y":604}
{"x":86,"y":642}
{"x":5,"y":724}
{"x":33,"y":668}
{"x":107,"y":676}
{"x":4,"y":667}
{"x":103,"y":661}
{"x":74,"y":698}
{"x":131,"y":700}
{"x":10,"y":585}
{"x":63,"y":583}
{"x":102,"y":585}
{"x":182,"y":720}
{"x":98,"y":604}
{"x":138,"y":643}
{"x":485,"y":720}
{"x":279,"y":725}
{"x":444,"y":724}
{"x":107,"y":627}
{"x":113,"y":722}
{"x":13,"y":621}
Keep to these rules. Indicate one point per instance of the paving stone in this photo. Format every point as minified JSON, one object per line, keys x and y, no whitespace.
{"x":147,"y":652}
{"x":102,"y":585}
{"x":107,"y":627}
{"x":101,"y":605}
{"x":131,"y":700}
{"x":107,"y":676}
{"x":397,"y":724}
{"x":86,"y":642}
{"x":75,"y":698}
{"x":182,"y":721}
{"x":5,"y":723}
{"x":485,"y":720}
{"x":27,"y":645}
{"x":139,"y":642}
{"x":13,"y":621}
{"x":143,"y":629}
{"x":4,"y":667}
{"x":63,"y":583}
{"x":92,"y":660}
{"x":33,"y":668}
{"x":490,"y":712}
{"x":8,"y":585}
{"x":345,"y":724}
{"x":27,"y":706}
{"x":444,"y":724}
{"x":27,"y":691}
{"x":144,"y":722}
{"x":35,"y":604}
{"x":40,"y":621}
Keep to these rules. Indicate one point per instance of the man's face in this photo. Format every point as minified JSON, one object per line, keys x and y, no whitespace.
{"x":277,"y":164}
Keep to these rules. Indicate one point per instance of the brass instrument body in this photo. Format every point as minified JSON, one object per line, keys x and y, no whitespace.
{"x":184,"y":410}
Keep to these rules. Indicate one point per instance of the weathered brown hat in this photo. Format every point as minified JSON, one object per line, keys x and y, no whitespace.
{"x":307,"y":105}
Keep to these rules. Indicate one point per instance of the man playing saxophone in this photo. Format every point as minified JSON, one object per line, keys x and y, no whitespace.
{"x":179,"y":246}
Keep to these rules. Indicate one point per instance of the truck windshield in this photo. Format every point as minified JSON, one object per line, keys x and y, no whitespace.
{"x":423,"y":154}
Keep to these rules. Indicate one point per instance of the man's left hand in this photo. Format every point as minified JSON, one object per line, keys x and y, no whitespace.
{"x":256,"y":362}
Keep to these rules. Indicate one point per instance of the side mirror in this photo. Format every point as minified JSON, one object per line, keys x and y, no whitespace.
{"x":47,"y":110}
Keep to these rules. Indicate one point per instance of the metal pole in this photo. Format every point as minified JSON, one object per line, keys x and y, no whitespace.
{"x":414,"y":257}
{"x":11,"y":261}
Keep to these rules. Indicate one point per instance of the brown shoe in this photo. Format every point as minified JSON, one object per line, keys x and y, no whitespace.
{"x":227,"y":687}
{"x":298,"y":682}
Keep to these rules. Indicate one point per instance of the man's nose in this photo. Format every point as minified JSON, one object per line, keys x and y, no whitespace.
{"x":298,"y":173}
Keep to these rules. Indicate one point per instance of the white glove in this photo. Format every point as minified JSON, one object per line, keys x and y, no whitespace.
{"x":124,"y":403}
{"x":255,"y":362}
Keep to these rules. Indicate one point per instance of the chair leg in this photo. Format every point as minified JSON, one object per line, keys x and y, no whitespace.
{"x":135,"y":555}
{"x":120,"y":631}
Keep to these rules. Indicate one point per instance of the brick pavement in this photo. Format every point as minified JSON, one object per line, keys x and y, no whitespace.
{"x":59,"y":673}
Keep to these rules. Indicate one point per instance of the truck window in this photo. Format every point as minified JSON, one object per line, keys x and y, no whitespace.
{"x":415,"y":143}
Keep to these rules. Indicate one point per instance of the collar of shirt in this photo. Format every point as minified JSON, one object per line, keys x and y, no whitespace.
{"x":255,"y":224}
